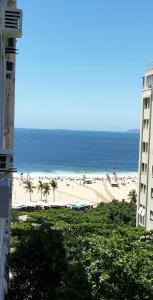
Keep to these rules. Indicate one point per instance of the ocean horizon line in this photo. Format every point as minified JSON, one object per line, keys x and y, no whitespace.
{"x":81,"y":130}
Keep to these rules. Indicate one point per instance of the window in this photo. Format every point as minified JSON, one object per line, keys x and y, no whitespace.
{"x":2,"y":162}
{"x":149,"y":81}
{"x":143,"y":82}
{"x":141,"y":213}
{"x":8,"y":76}
{"x":145,"y":123}
{"x":146,"y":102}
{"x":151,"y":192}
{"x":9,"y":66}
{"x":151,"y":215}
{"x":11,"y":43}
{"x":11,"y":159}
{"x":144,"y":147}
{"x":143,"y":188}
{"x":144,"y":168}
{"x":140,"y":209}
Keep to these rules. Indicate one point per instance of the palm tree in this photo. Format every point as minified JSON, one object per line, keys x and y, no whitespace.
{"x":53,"y":184}
{"x":46,"y":189}
{"x":132,"y":196}
{"x":29,"y":187}
{"x":40,"y":187}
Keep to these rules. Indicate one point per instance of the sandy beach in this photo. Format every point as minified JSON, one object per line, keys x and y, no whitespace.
{"x":72,"y":189}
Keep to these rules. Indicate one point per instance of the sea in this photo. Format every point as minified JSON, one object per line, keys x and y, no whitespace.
{"x":69,"y":152}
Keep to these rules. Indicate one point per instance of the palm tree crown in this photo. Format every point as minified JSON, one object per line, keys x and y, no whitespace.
{"x":40,"y":187}
{"x":53,"y":184}
{"x":132,"y":196}
{"x":29,"y":187}
{"x":46,"y":189}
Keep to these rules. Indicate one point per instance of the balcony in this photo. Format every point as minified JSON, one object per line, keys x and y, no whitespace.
{"x":12,"y":23}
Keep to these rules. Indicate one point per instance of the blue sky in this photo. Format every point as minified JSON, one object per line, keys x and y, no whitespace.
{"x":80,"y":63}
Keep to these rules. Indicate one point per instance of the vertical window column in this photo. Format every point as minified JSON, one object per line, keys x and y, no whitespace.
{"x":141,"y":214}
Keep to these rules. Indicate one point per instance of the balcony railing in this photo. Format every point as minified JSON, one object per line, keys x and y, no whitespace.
{"x":13,"y":23}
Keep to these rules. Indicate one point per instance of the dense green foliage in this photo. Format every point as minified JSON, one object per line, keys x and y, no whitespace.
{"x":62,"y":254}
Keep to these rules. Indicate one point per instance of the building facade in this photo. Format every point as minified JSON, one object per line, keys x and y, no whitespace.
{"x":145,"y":192}
{"x":10,"y":30}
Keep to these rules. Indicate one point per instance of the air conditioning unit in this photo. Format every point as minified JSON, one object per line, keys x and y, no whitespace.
{"x":12,"y":23}
{"x":6,"y":163}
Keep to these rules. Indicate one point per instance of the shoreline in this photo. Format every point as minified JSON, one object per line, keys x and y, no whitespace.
{"x":65,"y":174}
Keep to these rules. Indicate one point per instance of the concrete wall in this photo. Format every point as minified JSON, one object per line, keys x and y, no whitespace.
{"x":145,"y":177}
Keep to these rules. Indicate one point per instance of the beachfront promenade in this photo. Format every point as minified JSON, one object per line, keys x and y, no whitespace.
{"x":73,"y":190}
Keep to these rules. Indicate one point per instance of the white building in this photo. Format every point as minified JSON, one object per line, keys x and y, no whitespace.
{"x":145,"y":195}
{"x":10,"y":29}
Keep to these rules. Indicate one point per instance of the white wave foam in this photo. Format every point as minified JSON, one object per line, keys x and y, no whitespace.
{"x":67,"y":174}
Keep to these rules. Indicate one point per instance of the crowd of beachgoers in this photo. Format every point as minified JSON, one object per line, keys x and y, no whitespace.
{"x":74,"y":188}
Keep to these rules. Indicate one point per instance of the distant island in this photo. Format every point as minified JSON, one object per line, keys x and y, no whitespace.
{"x":133,"y":131}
